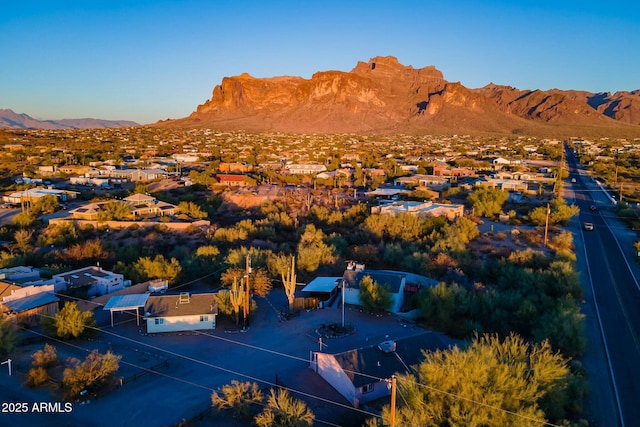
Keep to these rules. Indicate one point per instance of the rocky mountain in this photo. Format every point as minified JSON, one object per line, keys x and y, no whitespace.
{"x":12,"y":120}
{"x":383,"y":95}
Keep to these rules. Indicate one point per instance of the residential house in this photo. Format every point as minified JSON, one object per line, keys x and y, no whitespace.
{"x":504,"y":184}
{"x":422,"y":180}
{"x":28,"y":276}
{"x":421,"y":209}
{"x":305,"y":169}
{"x":448,"y":171}
{"x":94,"y":279}
{"x":399,"y":283}
{"x":148,"y":206}
{"x":184,"y":312}
{"x":232,"y":180}
{"x":141,"y":205}
{"x":364,"y":375}
{"x":33,"y":194}
{"x":28,"y":304}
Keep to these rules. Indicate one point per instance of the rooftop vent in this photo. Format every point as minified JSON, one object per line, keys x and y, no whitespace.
{"x":184,"y":298}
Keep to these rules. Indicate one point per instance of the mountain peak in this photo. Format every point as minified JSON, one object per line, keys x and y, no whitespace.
{"x":383,"y":95}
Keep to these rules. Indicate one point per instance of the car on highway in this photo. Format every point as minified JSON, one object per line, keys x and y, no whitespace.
{"x":588,"y":226}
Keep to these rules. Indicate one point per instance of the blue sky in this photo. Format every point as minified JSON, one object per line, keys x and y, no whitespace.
{"x":152,"y":60}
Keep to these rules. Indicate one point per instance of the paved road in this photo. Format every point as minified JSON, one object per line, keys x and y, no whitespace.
{"x":613,"y":307}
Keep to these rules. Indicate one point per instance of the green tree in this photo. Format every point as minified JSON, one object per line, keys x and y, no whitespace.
{"x":492,"y":383}
{"x":8,"y":335}
{"x":374,"y":296}
{"x":23,"y":240}
{"x":24,"y":219}
{"x":237,"y":396}
{"x":283,"y":410}
{"x":114,"y":211}
{"x":42,"y":360}
{"x":158,"y":268}
{"x":90,"y":373}
{"x":259,"y":281}
{"x":46,"y":204}
{"x":560,"y":213}
{"x":487,"y":201}
{"x":70,"y":322}
{"x":313,"y":251}
{"x":191,"y":209}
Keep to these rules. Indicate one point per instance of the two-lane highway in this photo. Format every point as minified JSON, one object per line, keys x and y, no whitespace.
{"x":616,"y":297}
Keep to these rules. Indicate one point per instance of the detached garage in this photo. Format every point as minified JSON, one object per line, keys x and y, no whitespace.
{"x":178,"y":313}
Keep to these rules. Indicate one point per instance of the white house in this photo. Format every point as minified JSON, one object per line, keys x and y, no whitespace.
{"x":364,"y":374}
{"x":95,"y":279}
{"x":184,"y":312}
{"x":399,"y":283}
{"x":421,"y":209}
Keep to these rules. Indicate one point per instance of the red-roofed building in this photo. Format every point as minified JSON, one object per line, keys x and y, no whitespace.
{"x":232,"y":180}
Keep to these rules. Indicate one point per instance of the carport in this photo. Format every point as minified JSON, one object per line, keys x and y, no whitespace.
{"x":125,"y":303}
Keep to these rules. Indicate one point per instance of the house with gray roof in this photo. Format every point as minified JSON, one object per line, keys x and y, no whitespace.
{"x":94,"y":279}
{"x":363,"y":375}
{"x":183,"y":312}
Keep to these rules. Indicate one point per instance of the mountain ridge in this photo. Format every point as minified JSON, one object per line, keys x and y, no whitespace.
{"x":12,"y":120}
{"x":382,"y":95}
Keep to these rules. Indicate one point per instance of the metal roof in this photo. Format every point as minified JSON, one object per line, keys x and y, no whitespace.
{"x":31,"y":301}
{"x":322,"y":284}
{"x":126,"y":302}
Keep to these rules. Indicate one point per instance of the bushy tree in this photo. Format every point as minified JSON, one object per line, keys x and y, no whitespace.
{"x":313,"y":251}
{"x":45,"y":204}
{"x":23,"y":240}
{"x":42,"y":360}
{"x":560,"y":213}
{"x":70,"y":322}
{"x":494,"y":382}
{"x":24,"y":219}
{"x":374,"y":296}
{"x":192,"y":209}
{"x":158,"y":268}
{"x":259,"y":281}
{"x":237,"y":396}
{"x":487,"y":201}
{"x":91,"y":372}
{"x":114,"y":211}
{"x":284,"y":410}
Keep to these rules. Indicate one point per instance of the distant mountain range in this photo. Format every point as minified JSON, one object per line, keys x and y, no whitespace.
{"x":12,"y":120}
{"x":383,"y":95}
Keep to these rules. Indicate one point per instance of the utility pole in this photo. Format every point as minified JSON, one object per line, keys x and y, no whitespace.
{"x":546,"y":225}
{"x":246,"y":292}
{"x":343,"y":285}
{"x":392,"y":412}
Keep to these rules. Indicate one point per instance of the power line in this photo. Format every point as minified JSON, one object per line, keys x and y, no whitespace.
{"x":281,"y":354}
{"x":191,"y":383}
{"x":227,"y":370}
